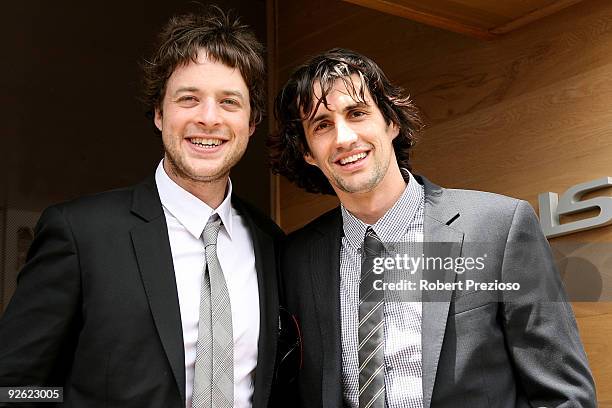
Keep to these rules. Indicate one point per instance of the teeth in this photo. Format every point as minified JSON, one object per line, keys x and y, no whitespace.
{"x":353,"y":158}
{"x":206,"y":142}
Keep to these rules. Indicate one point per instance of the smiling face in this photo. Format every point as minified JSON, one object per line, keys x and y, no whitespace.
{"x":204,"y":121}
{"x":350,"y":141}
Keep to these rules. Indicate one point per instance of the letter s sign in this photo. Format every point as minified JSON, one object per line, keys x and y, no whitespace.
{"x":551,"y":207}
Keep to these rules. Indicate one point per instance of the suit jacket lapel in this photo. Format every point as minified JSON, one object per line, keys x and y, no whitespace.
{"x":154,"y":257}
{"x":325,"y":273}
{"x":439,"y":215}
{"x":265,"y":263}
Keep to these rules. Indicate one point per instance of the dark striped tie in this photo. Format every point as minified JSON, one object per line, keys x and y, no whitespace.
{"x":371,"y":330}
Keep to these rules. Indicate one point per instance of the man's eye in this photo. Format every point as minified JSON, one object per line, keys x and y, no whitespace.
{"x":187,"y":98}
{"x":230,"y":102}
{"x":357,"y":114}
{"x":321,"y":126}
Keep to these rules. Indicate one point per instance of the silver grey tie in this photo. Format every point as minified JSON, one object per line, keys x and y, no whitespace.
{"x":213,"y":383}
{"x":371,"y":331}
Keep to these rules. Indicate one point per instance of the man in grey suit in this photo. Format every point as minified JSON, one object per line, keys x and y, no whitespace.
{"x":509,"y":340}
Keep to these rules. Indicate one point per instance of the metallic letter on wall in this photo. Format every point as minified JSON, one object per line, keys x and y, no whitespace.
{"x":551,"y":207}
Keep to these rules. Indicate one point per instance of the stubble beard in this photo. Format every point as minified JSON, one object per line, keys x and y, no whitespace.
{"x":181,"y":169}
{"x":377,"y":175}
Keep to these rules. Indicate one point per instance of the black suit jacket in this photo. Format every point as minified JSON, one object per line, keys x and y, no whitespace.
{"x":476,"y":352}
{"x":96,"y":307}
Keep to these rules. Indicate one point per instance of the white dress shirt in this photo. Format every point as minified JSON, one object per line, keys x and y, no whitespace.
{"x":186,"y":216}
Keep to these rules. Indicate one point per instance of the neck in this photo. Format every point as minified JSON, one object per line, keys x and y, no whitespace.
{"x":371,"y":205}
{"x":212,"y":193}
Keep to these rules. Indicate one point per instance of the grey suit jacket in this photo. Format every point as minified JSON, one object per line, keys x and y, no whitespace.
{"x":476,"y":351}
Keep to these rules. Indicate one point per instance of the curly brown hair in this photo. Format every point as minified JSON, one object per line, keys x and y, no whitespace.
{"x":288,"y":145}
{"x":223,"y":38}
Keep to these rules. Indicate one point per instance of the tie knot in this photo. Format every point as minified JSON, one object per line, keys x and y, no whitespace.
{"x":370,"y":232}
{"x":372,"y":245}
{"x":211,"y":230}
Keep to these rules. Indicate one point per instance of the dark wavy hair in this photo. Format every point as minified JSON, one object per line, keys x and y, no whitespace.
{"x":288,"y":145}
{"x":223,"y":38}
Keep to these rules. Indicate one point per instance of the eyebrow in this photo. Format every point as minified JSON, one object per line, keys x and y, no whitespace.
{"x":185,"y":89}
{"x":321,"y":116}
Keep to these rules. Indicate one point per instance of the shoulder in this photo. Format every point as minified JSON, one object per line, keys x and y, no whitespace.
{"x":480,"y":214}
{"x":468,"y":202}
{"x":99,"y":205}
{"x":320,"y":226}
{"x":262,"y":221}
{"x":480,"y":202}
{"x":100,"y":212}
{"x":102,"y":201}
{"x":493,"y":217}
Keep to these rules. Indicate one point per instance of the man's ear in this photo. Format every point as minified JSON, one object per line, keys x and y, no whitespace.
{"x":309,"y":159}
{"x":157,"y":119}
{"x":394,"y":130}
{"x":251,"y":129}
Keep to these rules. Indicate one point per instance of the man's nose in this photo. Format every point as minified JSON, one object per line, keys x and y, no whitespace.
{"x":345,"y":136}
{"x":209,"y":113}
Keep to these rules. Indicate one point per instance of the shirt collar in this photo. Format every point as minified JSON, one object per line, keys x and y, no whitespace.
{"x":189,"y":210}
{"x":392,"y":226}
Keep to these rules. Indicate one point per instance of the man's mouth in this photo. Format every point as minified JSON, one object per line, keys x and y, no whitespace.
{"x":354,"y":158}
{"x":207,"y":143}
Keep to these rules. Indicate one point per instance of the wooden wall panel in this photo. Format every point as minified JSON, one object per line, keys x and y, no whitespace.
{"x":526,"y":113}
{"x":596,"y":331}
{"x":478,"y":18}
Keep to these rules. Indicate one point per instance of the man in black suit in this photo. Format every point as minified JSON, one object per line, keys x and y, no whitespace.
{"x":163,"y":294}
{"x":346,"y":130}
